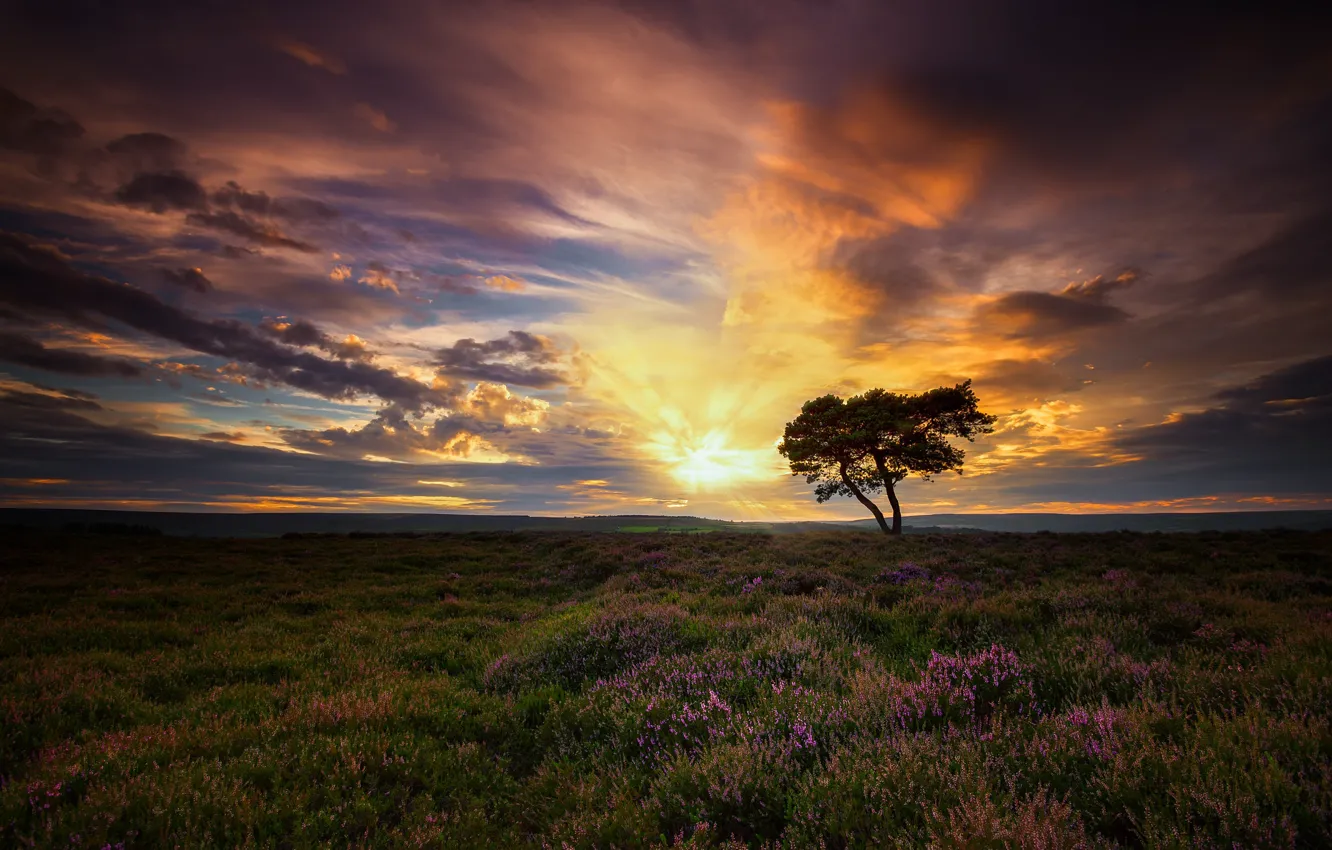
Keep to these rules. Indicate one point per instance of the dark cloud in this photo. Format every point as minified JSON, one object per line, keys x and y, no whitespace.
{"x":261,"y":233}
{"x":163,"y":191}
{"x":1265,"y":438}
{"x":53,"y":400}
{"x":887,"y":271}
{"x":193,"y":279}
{"x":1288,"y":388}
{"x":1041,"y":314}
{"x":25,"y":351}
{"x":1297,"y":261}
{"x":306,"y":334}
{"x":1267,"y":434}
{"x":148,"y":152}
{"x":390,"y":434}
{"x":25,"y":127}
{"x":224,"y":436}
{"x":488,"y":419}
{"x":1079,"y":306}
{"x":521,"y":359}
{"x":231,"y":195}
{"x":37,"y":281}
{"x":82,"y":395}
{"x":299,"y":332}
{"x":151,"y":171}
{"x":43,"y":436}
{"x":1193,"y":83}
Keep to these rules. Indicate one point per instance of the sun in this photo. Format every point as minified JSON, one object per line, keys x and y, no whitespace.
{"x":710,"y":463}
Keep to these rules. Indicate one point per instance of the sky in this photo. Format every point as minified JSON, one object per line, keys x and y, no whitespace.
{"x":590,"y":257}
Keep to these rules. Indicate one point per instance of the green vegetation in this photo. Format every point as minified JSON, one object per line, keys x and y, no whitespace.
{"x":648,"y":529}
{"x":872,"y":441}
{"x":597,"y":690}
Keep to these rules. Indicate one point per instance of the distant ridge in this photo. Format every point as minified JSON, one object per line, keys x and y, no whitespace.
{"x":1034,"y":522}
{"x":277,"y":524}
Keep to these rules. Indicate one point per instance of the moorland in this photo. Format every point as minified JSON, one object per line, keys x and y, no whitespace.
{"x":829,"y":689}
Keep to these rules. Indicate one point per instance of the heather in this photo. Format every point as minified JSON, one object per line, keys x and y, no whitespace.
{"x":626,"y":690}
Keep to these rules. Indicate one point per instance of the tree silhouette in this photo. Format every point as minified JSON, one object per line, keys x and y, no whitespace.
{"x":869,"y":442}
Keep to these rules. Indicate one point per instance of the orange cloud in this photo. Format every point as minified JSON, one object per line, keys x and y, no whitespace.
{"x":504,"y":283}
{"x":380,"y":279}
{"x":312,"y":57}
{"x":374,"y":117}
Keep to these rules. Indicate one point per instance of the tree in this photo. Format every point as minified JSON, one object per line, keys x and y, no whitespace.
{"x":872,"y":441}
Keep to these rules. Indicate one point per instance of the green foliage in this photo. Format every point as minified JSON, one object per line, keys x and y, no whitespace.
{"x":668,"y":690}
{"x":870,"y":442}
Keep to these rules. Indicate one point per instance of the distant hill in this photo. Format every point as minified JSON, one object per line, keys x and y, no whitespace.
{"x":276,"y":524}
{"x":1032,"y":522}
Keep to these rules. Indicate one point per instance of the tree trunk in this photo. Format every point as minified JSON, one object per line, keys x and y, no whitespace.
{"x":864,"y":500}
{"x":897,"y":509}
{"x":888,"y":482}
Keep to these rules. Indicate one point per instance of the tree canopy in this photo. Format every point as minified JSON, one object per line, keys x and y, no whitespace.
{"x":870,"y":442}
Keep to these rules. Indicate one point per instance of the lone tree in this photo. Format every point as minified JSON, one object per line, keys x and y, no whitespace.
{"x":870,"y":442}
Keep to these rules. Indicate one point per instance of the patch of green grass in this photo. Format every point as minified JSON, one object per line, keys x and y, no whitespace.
{"x":667,"y":688}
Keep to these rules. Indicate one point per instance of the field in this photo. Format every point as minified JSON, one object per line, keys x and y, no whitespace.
{"x":619,"y":690}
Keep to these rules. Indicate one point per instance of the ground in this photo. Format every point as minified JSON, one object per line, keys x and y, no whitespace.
{"x":652,"y":689}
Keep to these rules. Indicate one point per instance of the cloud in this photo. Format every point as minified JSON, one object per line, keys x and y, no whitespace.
{"x":520,"y":358}
{"x":37,"y":281}
{"x":193,"y":279}
{"x":224,"y":436}
{"x":45,"y":437}
{"x":163,"y":191}
{"x":153,"y":171}
{"x":312,"y":57}
{"x":15,"y":348}
{"x":1265,"y":436}
{"x":49,"y":400}
{"x":261,"y":204}
{"x":490,"y":422}
{"x":1292,"y":264}
{"x":493,"y":402}
{"x":148,"y":152}
{"x":1098,"y":288}
{"x":25,"y":127}
{"x":261,"y":233}
{"x":391,"y":434}
{"x":1285,"y":391}
{"x":1036,"y":315}
{"x":891,"y":283}
{"x":375,"y":118}
{"x":505,"y":283}
{"x":306,"y":334}
{"x":1011,"y":381}
{"x":379,"y":276}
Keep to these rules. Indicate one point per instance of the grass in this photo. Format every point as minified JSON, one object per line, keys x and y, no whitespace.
{"x":655,"y":689}
{"x":648,"y":529}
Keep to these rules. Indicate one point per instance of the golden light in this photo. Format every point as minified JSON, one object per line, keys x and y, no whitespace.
{"x":710,"y":464}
